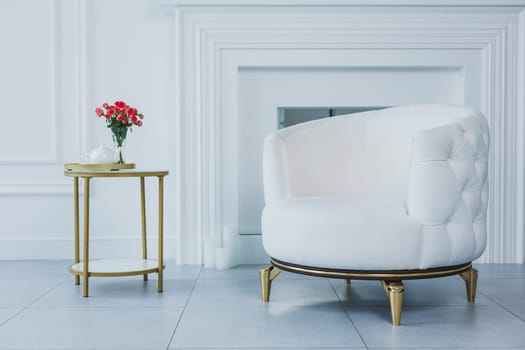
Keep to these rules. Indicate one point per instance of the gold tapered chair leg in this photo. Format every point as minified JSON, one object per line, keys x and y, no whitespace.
{"x":347,"y":282}
{"x":471,"y":281}
{"x":267,"y":275}
{"x":394,"y":290}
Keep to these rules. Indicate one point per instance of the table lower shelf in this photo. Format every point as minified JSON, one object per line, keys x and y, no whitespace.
{"x":117,"y":267}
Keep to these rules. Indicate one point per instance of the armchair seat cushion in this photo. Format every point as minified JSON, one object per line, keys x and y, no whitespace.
{"x":353,"y":233}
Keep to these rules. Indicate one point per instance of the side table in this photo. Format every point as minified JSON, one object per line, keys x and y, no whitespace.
{"x":116,"y":267}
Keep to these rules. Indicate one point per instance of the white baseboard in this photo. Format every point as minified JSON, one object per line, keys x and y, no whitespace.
{"x":56,"y":248}
{"x":251,"y":250}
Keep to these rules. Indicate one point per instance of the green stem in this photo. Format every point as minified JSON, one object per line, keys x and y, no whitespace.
{"x":121,"y":160}
{"x":119,"y":134}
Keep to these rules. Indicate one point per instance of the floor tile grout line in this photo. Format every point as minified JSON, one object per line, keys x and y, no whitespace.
{"x":364,"y":306}
{"x":278,"y":348}
{"x":503,"y":307}
{"x":109,"y":307}
{"x":273,"y":348}
{"x":348,"y":314}
{"x":184,"y":309}
{"x":33,"y":302}
{"x":294,"y":348}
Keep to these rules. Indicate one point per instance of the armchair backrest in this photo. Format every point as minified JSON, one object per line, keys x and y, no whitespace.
{"x":365,"y":153}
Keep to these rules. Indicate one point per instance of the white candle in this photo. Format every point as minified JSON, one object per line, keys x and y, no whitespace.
{"x":224,"y":258}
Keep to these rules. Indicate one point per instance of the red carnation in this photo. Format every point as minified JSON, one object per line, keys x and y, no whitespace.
{"x":119,"y":115}
{"x":120,"y":104}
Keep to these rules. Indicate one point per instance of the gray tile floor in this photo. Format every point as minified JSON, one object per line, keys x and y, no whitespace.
{"x":41,"y":308}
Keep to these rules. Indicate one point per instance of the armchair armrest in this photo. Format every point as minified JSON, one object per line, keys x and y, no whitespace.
{"x":434,"y":188}
{"x":447,"y":190}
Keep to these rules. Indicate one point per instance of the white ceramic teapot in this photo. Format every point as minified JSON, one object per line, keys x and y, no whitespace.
{"x":101,"y":155}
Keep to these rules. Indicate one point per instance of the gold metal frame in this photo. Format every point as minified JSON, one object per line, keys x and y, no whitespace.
{"x":115,"y":274}
{"x":109,"y":166}
{"x":390,"y":279}
{"x":394,"y":291}
{"x":87,"y":175}
{"x":109,"y":173}
{"x":267,"y":275}
{"x":143,"y":221}
{"x":471,"y":281}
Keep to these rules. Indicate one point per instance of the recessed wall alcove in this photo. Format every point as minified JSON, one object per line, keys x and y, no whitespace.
{"x":237,"y":65}
{"x":263,"y":92}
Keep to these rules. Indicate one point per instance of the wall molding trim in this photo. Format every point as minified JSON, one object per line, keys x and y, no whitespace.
{"x":37,"y":175}
{"x":34,"y":189}
{"x":213,"y":45}
{"x":53,"y":129}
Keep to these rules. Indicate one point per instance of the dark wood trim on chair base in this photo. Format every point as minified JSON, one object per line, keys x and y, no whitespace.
{"x":390,"y":279}
{"x":380,"y":275}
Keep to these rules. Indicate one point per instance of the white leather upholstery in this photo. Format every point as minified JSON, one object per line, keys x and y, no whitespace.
{"x":400,"y":188}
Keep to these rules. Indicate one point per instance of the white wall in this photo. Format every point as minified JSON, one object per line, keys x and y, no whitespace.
{"x":60,"y":59}
{"x":482,"y":39}
{"x":263,"y":91}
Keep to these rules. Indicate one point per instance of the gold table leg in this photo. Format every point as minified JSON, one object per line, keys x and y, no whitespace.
{"x":347,"y":282}
{"x":77,"y":229}
{"x":86,"y":236}
{"x":267,"y":275}
{"x":161,"y":233}
{"x":471,"y":281}
{"x":143,"y":216}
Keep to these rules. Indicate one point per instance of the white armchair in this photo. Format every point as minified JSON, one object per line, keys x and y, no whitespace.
{"x":394,"y":194}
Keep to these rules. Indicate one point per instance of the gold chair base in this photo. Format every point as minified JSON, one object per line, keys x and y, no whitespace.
{"x":267,"y":275}
{"x":391,"y":280}
{"x":471,"y":281}
{"x":394,"y":291}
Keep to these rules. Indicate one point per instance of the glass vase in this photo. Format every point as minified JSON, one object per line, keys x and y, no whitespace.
{"x":119,"y":138}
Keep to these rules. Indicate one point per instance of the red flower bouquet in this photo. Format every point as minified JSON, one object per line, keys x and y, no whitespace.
{"x":119,"y":118}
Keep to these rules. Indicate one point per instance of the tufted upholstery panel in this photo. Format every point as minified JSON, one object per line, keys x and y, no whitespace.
{"x":428,"y":161}
{"x":452,"y":158}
